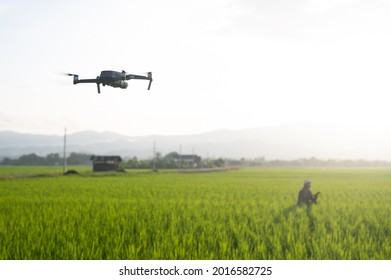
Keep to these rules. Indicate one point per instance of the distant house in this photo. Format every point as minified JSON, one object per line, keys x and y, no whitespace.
{"x":105,"y":163}
{"x":189,"y":161}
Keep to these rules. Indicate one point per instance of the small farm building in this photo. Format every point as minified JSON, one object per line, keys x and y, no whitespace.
{"x":189,"y":160}
{"x":105,"y":163}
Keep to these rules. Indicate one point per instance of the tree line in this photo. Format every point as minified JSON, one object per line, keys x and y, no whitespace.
{"x":50,"y":159}
{"x":173,"y":160}
{"x":303,"y":162}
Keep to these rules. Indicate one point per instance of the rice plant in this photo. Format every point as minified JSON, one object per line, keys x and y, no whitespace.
{"x":244,"y":214}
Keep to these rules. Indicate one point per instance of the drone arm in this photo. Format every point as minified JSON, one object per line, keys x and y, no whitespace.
{"x":85,"y":81}
{"x":139,"y":77}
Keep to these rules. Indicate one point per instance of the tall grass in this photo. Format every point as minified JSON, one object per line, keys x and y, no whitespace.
{"x":244,"y":214}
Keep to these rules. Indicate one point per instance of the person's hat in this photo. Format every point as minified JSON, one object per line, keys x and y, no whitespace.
{"x":307,"y":181}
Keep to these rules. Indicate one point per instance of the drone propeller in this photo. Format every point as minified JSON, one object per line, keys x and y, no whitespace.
{"x":75,"y":77}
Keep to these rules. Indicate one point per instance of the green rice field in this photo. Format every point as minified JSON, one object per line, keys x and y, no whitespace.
{"x":244,"y":214}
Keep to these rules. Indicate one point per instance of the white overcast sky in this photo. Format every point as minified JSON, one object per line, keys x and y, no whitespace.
{"x":216,"y":64}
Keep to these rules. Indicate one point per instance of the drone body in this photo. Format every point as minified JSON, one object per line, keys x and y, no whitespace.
{"x":112,"y":78}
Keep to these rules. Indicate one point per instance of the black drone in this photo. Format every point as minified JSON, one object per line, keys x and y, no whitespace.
{"x":112,"y":78}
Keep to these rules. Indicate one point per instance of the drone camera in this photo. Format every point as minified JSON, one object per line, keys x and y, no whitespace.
{"x":124,"y":85}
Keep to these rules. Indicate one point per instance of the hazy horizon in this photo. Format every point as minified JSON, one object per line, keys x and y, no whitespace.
{"x":285,"y":142}
{"x":386,"y":130}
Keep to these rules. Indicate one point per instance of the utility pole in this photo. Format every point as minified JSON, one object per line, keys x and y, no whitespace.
{"x":65,"y":152}
{"x":154,"y":156}
{"x":193,"y":158}
{"x":180,"y":156}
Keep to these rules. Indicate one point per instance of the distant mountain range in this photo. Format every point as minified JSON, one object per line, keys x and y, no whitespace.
{"x":323,"y":141}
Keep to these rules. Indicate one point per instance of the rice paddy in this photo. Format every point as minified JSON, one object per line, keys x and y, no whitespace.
{"x":244,"y":214}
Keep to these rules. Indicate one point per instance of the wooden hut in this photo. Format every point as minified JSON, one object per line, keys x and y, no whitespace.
{"x":105,"y":163}
{"x":192,"y":161}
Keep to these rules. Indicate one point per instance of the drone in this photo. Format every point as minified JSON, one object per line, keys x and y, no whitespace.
{"x":112,"y":78}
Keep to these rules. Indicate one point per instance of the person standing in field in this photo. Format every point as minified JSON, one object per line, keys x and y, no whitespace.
{"x":305,"y":194}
